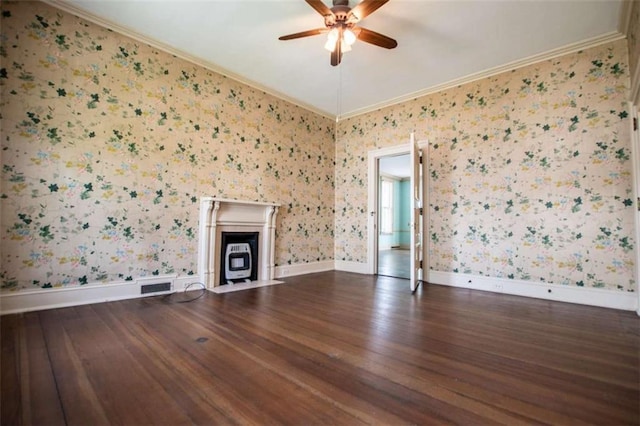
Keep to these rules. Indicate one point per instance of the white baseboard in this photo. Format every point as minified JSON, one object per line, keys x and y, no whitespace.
{"x":303,"y":268}
{"x":35,"y":300}
{"x":584,"y":296}
{"x":25,"y":301}
{"x":346,"y":266}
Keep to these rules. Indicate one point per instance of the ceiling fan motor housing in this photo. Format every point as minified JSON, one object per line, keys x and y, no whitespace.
{"x":339,"y":16}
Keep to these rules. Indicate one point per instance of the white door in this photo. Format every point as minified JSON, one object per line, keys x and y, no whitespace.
{"x":416,"y":214}
{"x":635,"y":150}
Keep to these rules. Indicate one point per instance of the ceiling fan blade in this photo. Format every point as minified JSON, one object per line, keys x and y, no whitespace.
{"x":364,"y":9}
{"x":373,"y":37}
{"x":304,"y":34}
{"x":320,"y":7}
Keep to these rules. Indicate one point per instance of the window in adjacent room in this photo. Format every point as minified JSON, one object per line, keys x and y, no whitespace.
{"x":386,"y":206}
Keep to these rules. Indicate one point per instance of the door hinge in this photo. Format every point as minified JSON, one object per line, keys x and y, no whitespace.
{"x":420,"y":159}
{"x":421,"y":264}
{"x":421,"y":211}
{"x":635,"y":124}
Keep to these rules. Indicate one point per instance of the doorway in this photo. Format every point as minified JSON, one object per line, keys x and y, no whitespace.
{"x":394,"y":222}
{"x":416,"y":152}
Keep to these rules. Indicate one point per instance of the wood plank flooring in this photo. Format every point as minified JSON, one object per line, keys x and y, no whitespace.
{"x":329,"y":348}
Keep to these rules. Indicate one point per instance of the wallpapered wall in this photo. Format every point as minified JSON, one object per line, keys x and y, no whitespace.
{"x":529,"y":173}
{"x":107,"y":145}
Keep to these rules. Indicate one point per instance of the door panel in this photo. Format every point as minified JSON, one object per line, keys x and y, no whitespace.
{"x":416,"y":214}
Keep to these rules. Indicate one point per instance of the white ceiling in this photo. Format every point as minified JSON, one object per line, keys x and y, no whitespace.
{"x":396,"y":165}
{"x":440,"y":43}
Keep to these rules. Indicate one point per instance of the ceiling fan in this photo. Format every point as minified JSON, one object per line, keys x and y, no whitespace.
{"x":340,"y":24}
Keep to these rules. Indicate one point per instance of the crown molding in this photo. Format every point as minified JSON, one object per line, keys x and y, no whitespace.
{"x":128,"y":32}
{"x":531,"y":60}
{"x":634,"y":94}
{"x":625,"y":16}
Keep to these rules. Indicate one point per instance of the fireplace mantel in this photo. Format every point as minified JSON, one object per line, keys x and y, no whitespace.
{"x":219,"y":215}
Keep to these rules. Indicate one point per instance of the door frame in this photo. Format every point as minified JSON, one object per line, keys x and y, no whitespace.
{"x":372,"y":203}
{"x":635,"y":176}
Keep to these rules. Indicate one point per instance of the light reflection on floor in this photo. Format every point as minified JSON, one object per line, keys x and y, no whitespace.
{"x":394,"y":263}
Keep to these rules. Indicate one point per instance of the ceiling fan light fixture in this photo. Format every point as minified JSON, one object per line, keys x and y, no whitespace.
{"x":333,"y":35}
{"x":348,"y":37}
{"x":330,"y":45}
{"x":332,"y":38}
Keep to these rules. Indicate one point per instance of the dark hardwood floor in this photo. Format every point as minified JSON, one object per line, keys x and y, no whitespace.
{"x":327,"y":348}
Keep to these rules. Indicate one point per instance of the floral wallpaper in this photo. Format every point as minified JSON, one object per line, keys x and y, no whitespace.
{"x":107,"y":145}
{"x":529,"y":173}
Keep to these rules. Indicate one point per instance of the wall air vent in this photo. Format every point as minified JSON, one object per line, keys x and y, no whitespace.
{"x":155,"y":288}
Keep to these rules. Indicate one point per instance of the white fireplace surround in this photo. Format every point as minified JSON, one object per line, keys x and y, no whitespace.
{"x":218,"y":215}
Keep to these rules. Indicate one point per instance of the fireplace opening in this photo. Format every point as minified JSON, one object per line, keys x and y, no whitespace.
{"x":239,"y":257}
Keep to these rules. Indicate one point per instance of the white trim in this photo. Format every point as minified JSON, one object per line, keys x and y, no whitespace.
{"x":384,"y":246}
{"x":393,"y":177}
{"x":634,"y":93}
{"x":386,"y":221}
{"x":303,"y":268}
{"x":218,"y":215}
{"x":426,"y":200}
{"x":416,"y":223}
{"x":634,"y":141}
{"x":128,"y":32}
{"x":372,"y":197}
{"x":27,"y":300}
{"x":531,"y":60}
{"x":624,"y":19}
{"x":581,"y":295}
{"x":40,"y":299}
{"x":355,"y":267}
